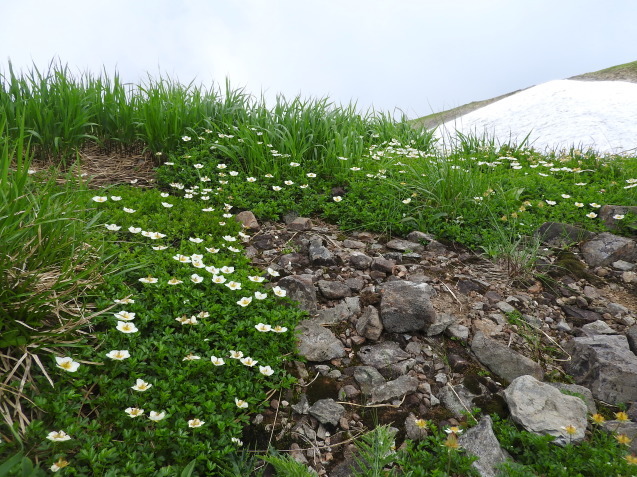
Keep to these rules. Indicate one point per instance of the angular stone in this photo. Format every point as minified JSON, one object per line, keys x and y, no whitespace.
{"x":607,"y":248}
{"x":395,"y":389}
{"x":624,"y":266}
{"x":300,"y":224}
{"x":413,"y":431}
{"x":404,"y":245}
{"x":580,"y":316}
{"x":605,"y":365}
{"x":598,"y":327}
{"x":369,"y":324}
{"x":558,"y":234}
{"x":248,"y":220}
{"x":344,"y":310}
{"x":382,"y":265}
{"x":457,"y":399}
{"x":502,"y":360}
{"x":293,"y":260}
{"x":481,"y":442}
{"x":327,"y":411}
{"x":542,"y":409}
{"x":406,"y":307}
{"x":458,"y":331}
{"x":320,"y":255}
{"x":302,"y":407}
{"x":360,"y":261}
{"x":631,"y":335}
{"x":387,"y":357}
{"x":440,"y":323}
{"x":317,"y":343}
{"x":467,"y":285}
{"x":301,"y":289}
{"x":333,"y":290}
{"x":347,"y":243}
{"x":368,"y":378}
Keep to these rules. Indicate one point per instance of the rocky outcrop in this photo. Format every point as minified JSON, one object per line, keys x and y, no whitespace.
{"x":607,"y":248}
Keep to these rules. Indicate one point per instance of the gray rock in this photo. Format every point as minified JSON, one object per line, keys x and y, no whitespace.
{"x":542,"y":409}
{"x":581,"y":392}
{"x":580,"y":316}
{"x":505,"y":307}
{"x":360,"y":261}
{"x":502,"y":360}
{"x":342,"y":311}
{"x":300,"y":288}
{"x":457,"y":399}
{"x":368,"y":378}
{"x":418,"y":236}
{"x":369,"y":324}
{"x":317,"y":343}
{"x":300,"y":224}
{"x":631,"y":335}
{"x":383,"y":265}
{"x":248,"y":220}
{"x":406,"y":307}
{"x":607,"y":248}
{"x":413,"y":431}
{"x":302,"y":407}
{"x":558,"y":234}
{"x":387,"y":357}
{"x":458,"y":331}
{"x":481,"y":442}
{"x":333,"y":290}
{"x":347,"y":243}
{"x":394,"y":389}
{"x":598,"y":327}
{"x":440,"y":324}
{"x":320,"y":255}
{"x":404,"y":245}
{"x":327,"y":411}
{"x":293,"y":260}
{"x":468,"y":284}
{"x":623,"y":266}
{"x":605,"y":365}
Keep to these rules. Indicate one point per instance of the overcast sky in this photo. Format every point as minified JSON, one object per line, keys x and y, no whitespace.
{"x":415,"y":56}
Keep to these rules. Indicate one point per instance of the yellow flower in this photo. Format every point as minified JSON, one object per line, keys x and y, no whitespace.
{"x":570,"y":430}
{"x":421,"y":423}
{"x":598,"y":418}
{"x":622,"y":416}
{"x":451,"y":442}
{"x":631,"y":459}
{"x":60,"y":464}
{"x":623,"y":439}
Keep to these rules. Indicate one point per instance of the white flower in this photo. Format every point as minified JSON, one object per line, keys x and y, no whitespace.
{"x":566,"y":196}
{"x":156,"y":416}
{"x":186,"y":138}
{"x":118,"y":355}
{"x":217,"y":361}
{"x":195,"y":423}
{"x":294,"y":164}
{"x":279,"y":329}
{"x":156,"y":235}
{"x":198,"y":166}
{"x":124,"y":315}
{"x":212,"y":250}
{"x":126,"y":327}
{"x":263,"y":327}
{"x":134,"y":230}
{"x":289,"y":183}
{"x":579,"y":204}
{"x":248,"y":361}
{"x":195,"y":239}
{"x":229,"y":238}
{"x":234,"y":285}
{"x":125,"y":301}
{"x":208,"y":209}
{"x":354,"y":168}
{"x":218,"y":279}
{"x":227,"y":216}
{"x":182,"y":258}
{"x":98,"y":198}
{"x":241,"y":404}
{"x":272,"y":272}
{"x":278,"y":291}
{"x":227,"y":269}
{"x":233,"y":173}
{"x":551,"y":202}
{"x":304,"y":186}
{"x":256,"y":279}
{"x":310,"y":174}
{"x":595,"y":205}
{"x":60,"y":464}
{"x":160,"y":247}
{"x":269,"y":176}
{"x":245,"y":301}
{"x":221,"y":166}
{"x":196,"y":278}
{"x":591,"y":215}
{"x":407,"y":201}
{"x":129,"y":211}
{"x":337,"y":198}
{"x":141,"y":385}
{"x":266,"y":370}
{"x":164,"y":194}
{"x":618,"y":216}
{"x":234,"y":249}
{"x":174,"y":281}
{"x":237,"y":441}
{"x":276,"y":188}
{"x":236,"y":354}
{"x":260,"y":296}
{"x":148,"y":280}
{"x":113,"y":227}
{"x":251,"y":179}
{"x":134,"y":411}
{"x":58,"y":436}
{"x":67,"y":364}
{"x":167,"y":205}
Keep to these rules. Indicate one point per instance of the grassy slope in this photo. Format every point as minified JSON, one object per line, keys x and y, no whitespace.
{"x":625,"y":72}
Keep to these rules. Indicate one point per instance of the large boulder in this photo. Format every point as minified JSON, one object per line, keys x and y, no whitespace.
{"x":543,"y":409}
{"x":406,"y":307}
{"x":502,"y":360}
{"x":300,"y":288}
{"x":606,"y":365}
{"x":559,"y":234}
{"x":607,"y":248}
